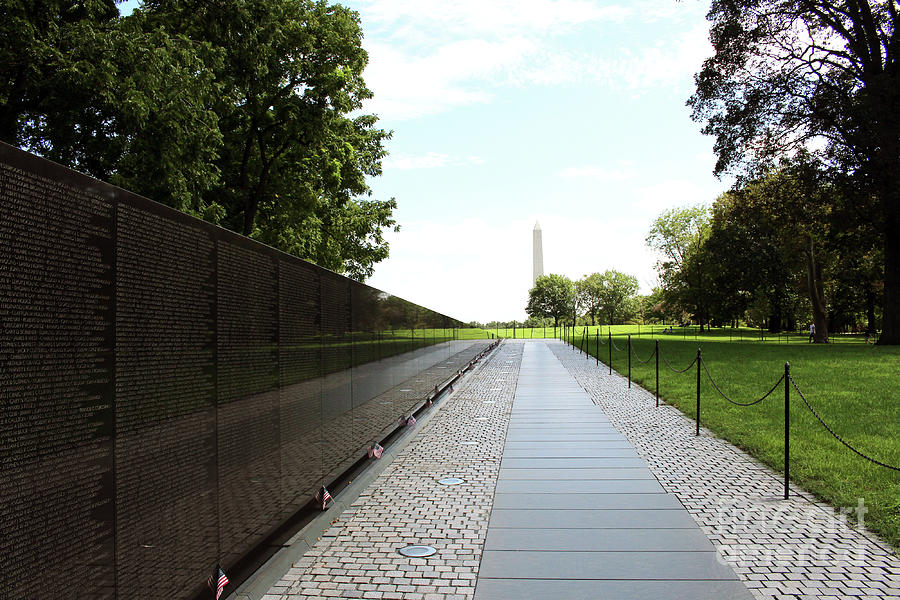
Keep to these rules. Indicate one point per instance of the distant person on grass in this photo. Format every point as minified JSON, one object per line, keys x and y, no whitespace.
{"x":812,"y":332}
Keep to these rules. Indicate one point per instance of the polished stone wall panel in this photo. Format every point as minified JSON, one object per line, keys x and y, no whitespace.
{"x":166,"y":496}
{"x":56,"y":387}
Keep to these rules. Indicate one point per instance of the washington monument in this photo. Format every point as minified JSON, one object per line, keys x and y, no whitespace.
{"x":538,"y":253}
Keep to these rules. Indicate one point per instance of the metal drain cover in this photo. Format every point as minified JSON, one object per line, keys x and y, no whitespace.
{"x":417,"y":551}
{"x":488,"y":402}
{"x":482,"y":418}
{"x":469,"y":443}
{"x":451,"y":481}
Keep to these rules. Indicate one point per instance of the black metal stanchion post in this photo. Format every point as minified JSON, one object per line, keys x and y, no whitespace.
{"x":657,"y":373}
{"x":698,"y":391}
{"x":787,"y":428}
{"x":598,"y":347}
{"x":609,"y":333}
{"x":629,"y":361}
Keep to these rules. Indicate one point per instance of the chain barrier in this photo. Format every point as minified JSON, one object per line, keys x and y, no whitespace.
{"x":673,"y":369}
{"x":616,"y":348}
{"x":643,"y":362}
{"x":721,"y":393}
{"x":836,"y":436}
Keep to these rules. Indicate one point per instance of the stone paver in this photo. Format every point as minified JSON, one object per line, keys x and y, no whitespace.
{"x":357,"y":558}
{"x":795,"y":549}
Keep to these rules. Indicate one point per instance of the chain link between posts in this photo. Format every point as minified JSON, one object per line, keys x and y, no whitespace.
{"x":673,"y":369}
{"x":835,"y":435}
{"x":643,"y":362}
{"x":736,"y":403}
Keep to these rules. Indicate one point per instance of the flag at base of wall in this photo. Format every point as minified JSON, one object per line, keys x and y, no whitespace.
{"x":323,"y":498}
{"x":375,"y":450}
{"x":410,"y":421}
{"x":217,"y":581}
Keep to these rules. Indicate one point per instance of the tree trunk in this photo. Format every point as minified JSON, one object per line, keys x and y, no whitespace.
{"x":816,"y":293}
{"x":890,"y":323}
{"x":870,"y":309}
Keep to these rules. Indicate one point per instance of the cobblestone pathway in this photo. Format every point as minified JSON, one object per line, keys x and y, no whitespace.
{"x":795,"y":549}
{"x":357,"y":557}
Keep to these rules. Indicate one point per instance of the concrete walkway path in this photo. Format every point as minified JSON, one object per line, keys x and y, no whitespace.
{"x":577,"y":513}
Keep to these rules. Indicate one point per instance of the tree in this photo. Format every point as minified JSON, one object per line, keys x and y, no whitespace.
{"x":747,"y":264}
{"x":294,"y":162}
{"x":100,"y":94}
{"x":616,"y":296}
{"x":788,"y":76}
{"x":678,"y":235}
{"x":244,"y":112}
{"x":587,"y":292}
{"x":553,"y":296}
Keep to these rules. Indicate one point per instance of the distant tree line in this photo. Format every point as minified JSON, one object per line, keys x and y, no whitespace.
{"x":242,"y":112}
{"x":795,"y":246}
{"x":600,"y":298}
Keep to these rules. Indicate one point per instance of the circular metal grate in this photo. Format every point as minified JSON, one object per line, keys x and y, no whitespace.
{"x":417,"y":551}
{"x":451,"y":481}
{"x":468,"y":443}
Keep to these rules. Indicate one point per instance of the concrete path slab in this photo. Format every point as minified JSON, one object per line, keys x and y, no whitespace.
{"x":553,"y":452}
{"x":542,"y":589}
{"x":608,"y":486}
{"x":574,"y":474}
{"x":622,"y":540}
{"x":587,"y":501}
{"x":585,"y":519}
{"x":540,"y":461}
{"x":647,"y":566}
{"x":572,"y":517}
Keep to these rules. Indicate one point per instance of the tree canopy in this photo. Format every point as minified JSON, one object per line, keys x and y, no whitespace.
{"x":587,"y":294}
{"x":819,"y":76}
{"x":617,"y":296}
{"x":238,"y":112}
{"x":678,"y":236}
{"x":553,"y":296}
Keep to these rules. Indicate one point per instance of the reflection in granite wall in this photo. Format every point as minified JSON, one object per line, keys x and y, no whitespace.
{"x":172,"y":392}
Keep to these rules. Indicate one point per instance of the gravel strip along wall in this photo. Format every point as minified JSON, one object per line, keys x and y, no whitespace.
{"x":405,"y":505}
{"x":794,"y":549}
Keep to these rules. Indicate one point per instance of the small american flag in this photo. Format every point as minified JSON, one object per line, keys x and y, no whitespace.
{"x":410,"y":421}
{"x":323,"y":497}
{"x":217,"y":581}
{"x":375,"y":450}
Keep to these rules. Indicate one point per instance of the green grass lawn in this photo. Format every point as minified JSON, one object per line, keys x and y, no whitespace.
{"x":855,"y":388}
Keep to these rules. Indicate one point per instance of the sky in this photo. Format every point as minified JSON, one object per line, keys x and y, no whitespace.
{"x":508,"y":112}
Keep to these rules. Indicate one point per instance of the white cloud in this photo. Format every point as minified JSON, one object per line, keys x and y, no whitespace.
{"x":439,"y":19}
{"x":431,"y":160}
{"x":430,"y":56}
